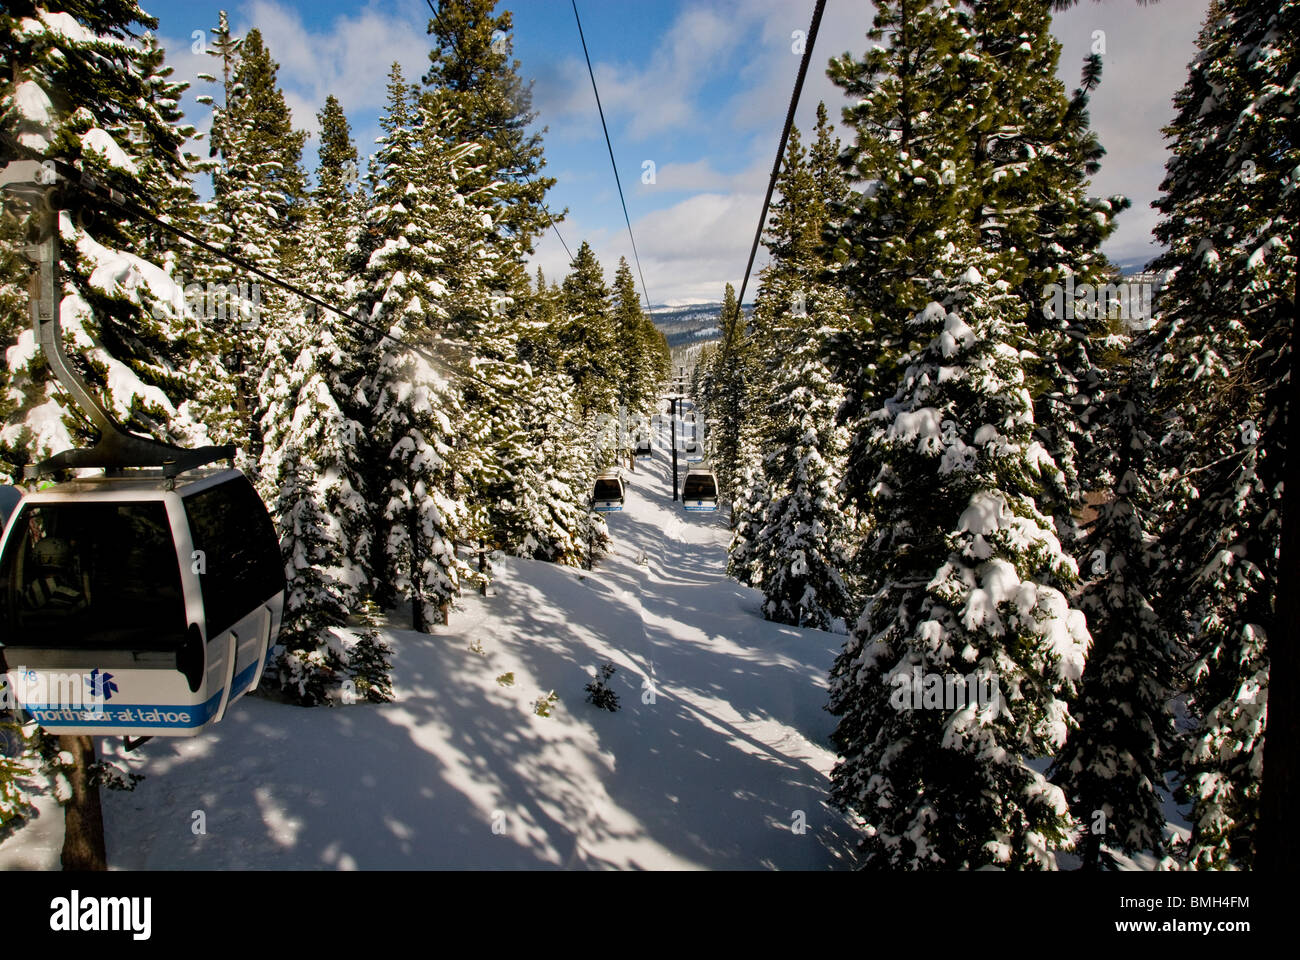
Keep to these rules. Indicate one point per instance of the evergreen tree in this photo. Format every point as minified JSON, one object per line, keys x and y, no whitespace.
{"x":802,"y":548}
{"x":1226,"y":320}
{"x":416,"y":412}
{"x":964,"y":576}
{"x":175,"y":194}
{"x":1112,"y":768}
{"x":311,"y":460}
{"x":748,"y":518}
{"x":799,"y":552}
{"x":476,"y":79}
{"x":1033,"y":155}
{"x":257,"y":214}
{"x":263,"y":146}
{"x":546,"y":516}
{"x":549,"y":516}
{"x":724,"y":393}
{"x":13,"y":319}
{"x":631,"y":344}
{"x":585,"y":335}
{"x":960,"y":120}
{"x":336,"y":171}
{"x":314,"y":600}
{"x":908,"y":161}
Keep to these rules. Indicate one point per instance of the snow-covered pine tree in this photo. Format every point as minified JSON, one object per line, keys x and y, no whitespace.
{"x":546,"y":516}
{"x":332,"y":225}
{"x":1113,"y":766}
{"x":315,"y":596}
{"x":799,"y":553}
{"x":311,"y":468}
{"x":631,"y":346}
{"x":965,"y":579}
{"x":892,"y":228}
{"x":416,"y":410}
{"x":1033,"y":155}
{"x":748,"y":517}
{"x":1003,"y":149}
{"x":475,"y":77}
{"x":724,"y":393}
{"x":176,"y":198}
{"x":482,"y":270}
{"x":261,"y":144}
{"x":494,"y":449}
{"x":551,"y":518}
{"x":780,"y":319}
{"x":310,"y":464}
{"x":699,"y":381}
{"x":256,"y":213}
{"x":13,"y":318}
{"x":585,"y":335}
{"x":1229,"y":213}
{"x":70,"y":81}
{"x":801,"y":549}
{"x":525,"y":503}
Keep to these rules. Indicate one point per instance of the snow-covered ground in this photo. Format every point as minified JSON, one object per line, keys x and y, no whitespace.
{"x":717,"y":757}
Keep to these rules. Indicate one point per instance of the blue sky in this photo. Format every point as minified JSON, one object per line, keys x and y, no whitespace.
{"x":699,"y":88}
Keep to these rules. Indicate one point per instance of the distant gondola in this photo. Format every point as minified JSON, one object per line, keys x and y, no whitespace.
{"x":609,"y":492}
{"x":700,"y":490}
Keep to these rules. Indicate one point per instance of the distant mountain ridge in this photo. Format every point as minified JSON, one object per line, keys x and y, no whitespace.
{"x":692,"y":323}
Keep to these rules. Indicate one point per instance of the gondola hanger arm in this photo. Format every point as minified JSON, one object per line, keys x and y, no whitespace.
{"x":43,"y":187}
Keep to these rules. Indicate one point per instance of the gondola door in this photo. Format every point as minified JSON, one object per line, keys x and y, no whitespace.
{"x":235,"y":556}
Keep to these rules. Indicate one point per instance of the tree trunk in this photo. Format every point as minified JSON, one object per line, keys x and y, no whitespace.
{"x":1091,"y":858}
{"x":416,"y":574}
{"x":83,"y":818}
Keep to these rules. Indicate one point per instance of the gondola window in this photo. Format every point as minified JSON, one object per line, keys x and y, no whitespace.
{"x":93,"y":576}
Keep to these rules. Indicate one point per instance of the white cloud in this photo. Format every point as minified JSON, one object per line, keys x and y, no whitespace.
{"x":350,"y":59}
{"x":1148,"y":48}
{"x":688,"y":251}
{"x":699,"y":175}
{"x":1145,"y":63}
{"x":663,"y":95}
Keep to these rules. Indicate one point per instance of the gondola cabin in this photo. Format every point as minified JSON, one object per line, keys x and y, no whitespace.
{"x":700,"y":490}
{"x":644,"y":451}
{"x":138,"y":606}
{"x":609,"y":492}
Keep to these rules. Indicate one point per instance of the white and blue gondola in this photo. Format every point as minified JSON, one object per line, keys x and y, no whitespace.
{"x":700,"y":490}
{"x":609,"y":492}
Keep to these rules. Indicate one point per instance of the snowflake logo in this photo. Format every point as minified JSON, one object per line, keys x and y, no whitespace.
{"x":101,"y":685}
